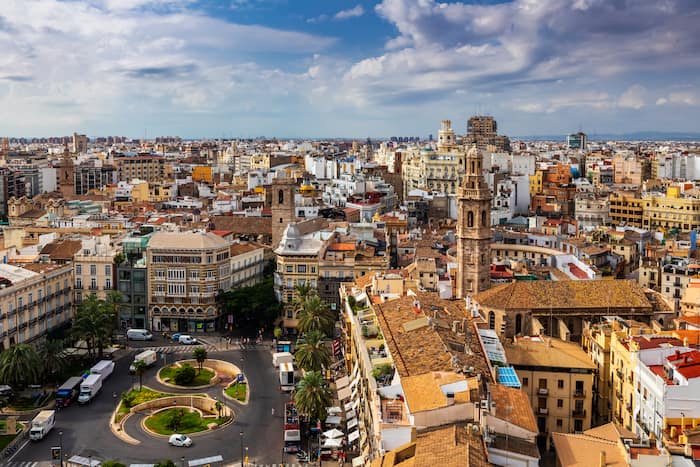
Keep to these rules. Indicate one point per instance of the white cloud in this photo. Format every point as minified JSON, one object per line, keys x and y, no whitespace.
{"x":688,"y":98}
{"x":633,"y":97}
{"x":354,"y":12}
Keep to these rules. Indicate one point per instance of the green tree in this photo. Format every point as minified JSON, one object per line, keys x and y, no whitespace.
{"x":139,"y":369}
{"x":119,"y":258}
{"x":200,"y":354}
{"x":165,"y":463}
{"x":112,"y":464}
{"x":252,"y":307}
{"x":175,"y":420}
{"x":277,"y":332}
{"x":311,"y":353}
{"x":20,"y":366}
{"x":53,"y":359}
{"x":114,"y":301}
{"x":312,"y":396}
{"x":316,"y":316}
{"x":94,"y":322}
{"x":184,"y":375}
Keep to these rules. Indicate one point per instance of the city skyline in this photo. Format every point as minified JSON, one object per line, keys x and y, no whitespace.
{"x":245,"y":68}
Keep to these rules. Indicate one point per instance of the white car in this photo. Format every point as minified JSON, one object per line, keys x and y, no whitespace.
{"x":180,"y":440}
{"x":187,"y":340}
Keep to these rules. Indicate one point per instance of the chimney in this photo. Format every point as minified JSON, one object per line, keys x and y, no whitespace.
{"x":603,"y":460}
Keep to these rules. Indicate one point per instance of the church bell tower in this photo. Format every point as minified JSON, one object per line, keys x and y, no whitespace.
{"x":473,"y":229}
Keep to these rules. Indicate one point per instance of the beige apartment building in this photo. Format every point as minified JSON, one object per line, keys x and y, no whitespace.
{"x":671,"y":211}
{"x":186,"y":270}
{"x":627,"y":170}
{"x":93,"y":269}
{"x":558,"y":377}
{"x":34,"y":299}
{"x":247,"y":264}
{"x":144,"y":166}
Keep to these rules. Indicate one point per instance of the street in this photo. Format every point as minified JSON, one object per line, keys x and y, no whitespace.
{"x":85,"y":429}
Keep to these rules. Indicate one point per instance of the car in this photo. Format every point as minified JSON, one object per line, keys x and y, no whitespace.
{"x":187,"y":340}
{"x":180,"y":440}
{"x":176,"y":337}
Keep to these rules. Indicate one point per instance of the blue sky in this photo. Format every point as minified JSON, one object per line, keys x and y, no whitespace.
{"x":213,"y":68}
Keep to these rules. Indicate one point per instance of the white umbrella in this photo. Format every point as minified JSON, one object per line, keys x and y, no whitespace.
{"x":334,"y":433}
{"x":332,"y":443}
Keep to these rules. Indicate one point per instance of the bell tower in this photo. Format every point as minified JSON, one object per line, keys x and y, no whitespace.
{"x":473,"y":229}
{"x":66,"y":174}
{"x":283,"y":213}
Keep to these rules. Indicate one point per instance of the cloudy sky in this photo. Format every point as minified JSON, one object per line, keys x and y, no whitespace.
{"x":353,"y":68}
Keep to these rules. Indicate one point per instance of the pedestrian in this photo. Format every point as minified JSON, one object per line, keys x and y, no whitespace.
{"x":273,"y":411}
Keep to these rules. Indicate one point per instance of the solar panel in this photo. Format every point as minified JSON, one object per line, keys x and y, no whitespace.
{"x":508,"y":377}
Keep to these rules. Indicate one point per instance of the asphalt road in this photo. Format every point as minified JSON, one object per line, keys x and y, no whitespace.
{"x":86,"y":432}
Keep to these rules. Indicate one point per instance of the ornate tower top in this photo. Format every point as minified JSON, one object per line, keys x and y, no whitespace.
{"x":446,"y":136}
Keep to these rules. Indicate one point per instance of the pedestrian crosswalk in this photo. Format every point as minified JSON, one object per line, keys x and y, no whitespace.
{"x":28,"y":464}
{"x":179,"y":348}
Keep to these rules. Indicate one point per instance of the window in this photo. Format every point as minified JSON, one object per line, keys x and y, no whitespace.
{"x":93,"y":269}
{"x":290,"y":268}
{"x":301,"y":268}
{"x":560,"y":384}
{"x":93,"y":283}
{"x":160,"y":274}
{"x":108,"y":283}
{"x":78,"y":269}
{"x":578,"y":425}
{"x":108,"y":269}
{"x":543,"y":383}
{"x":492,"y":320}
{"x":559,"y":423}
{"x":560,"y":403}
{"x":525,"y":381}
{"x":194,"y":274}
{"x":78,"y":283}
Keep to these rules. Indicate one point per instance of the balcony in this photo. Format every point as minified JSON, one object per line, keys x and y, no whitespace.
{"x":620,"y":374}
{"x":542,"y":411}
{"x":78,"y":286}
{"x":94,"y":287}
{"x":579,"y":393}
{"x":543,"y":391}
{"x":629,"y":407}
{"x":578,"y":413}
{"x":618,"y":395}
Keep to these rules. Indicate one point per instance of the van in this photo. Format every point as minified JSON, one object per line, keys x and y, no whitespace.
{"x":187,"y":340}
{"x":139,"y":335}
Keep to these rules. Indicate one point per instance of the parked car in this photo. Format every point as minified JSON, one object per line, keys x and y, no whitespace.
{"x":176,"y":337}
{"x":187,"y":340}
{"x":139,"y":335}
{"x":180,"y":440}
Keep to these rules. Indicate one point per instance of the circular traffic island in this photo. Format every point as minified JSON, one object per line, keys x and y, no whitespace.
{"x":186,"y":376}
{"x":183,"y":420}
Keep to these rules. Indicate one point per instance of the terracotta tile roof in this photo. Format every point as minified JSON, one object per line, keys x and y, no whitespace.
{"x":423,"y":392}
{"x":243,"y":225}
{"x":537,"y":352}
{"x":520,"y":412}
{"x":240,"y":248}
{"x":610,"y":432}
{"x":341,"y":247}
{"x":62,"y":250}
{"x":565,"y":295}
{"x":583,"y":450}
{"x":425,"y":348}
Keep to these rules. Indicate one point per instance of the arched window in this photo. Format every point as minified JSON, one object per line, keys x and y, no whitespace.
{"x":492,"y":320}
{"x":470,"y":219}
{"x":483,"y":218}
{"x":472,"y":166}
{"x":518,"y":324}
{"x":280,"y":197}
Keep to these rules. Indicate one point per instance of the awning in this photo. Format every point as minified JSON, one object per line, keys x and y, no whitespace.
{"x":333,"y":410}
{"x":354,"y":436}
{"x":355,"y":381}
{"x":354,"y":394}
{"x":205,"y":461}
{"x":354,"y":404}
{"x":334,"y":433}
{"x":333,"y":420}
{"x":342,"y":382}
{"x":332,"y":443}
{"x":352,"y":423}
{"x":349,"y":406}
{"x":358,"y":461}
{"x":355,"y":369}
{"x":343,"y":394}
{"x":351,"y":414}
{"x":84,"y":461}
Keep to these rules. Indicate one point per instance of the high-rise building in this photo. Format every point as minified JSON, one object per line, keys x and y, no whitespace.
{"x":577,"y":141}
{"x":482,"y":130}
{"x":473,"y":229}
{"x":80,"y":143}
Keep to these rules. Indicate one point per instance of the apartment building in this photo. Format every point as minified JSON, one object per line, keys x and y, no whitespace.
{"x":34,"y":299}
{"x":671,"y":211}
{"x":247,"y":264}
{"x":626,"y":208}
{"x":149,"y":167}
{"x":591,"y":211}
{"x":186,"y":270}
{"x":558,"y":377}
{"x":93,"y":267}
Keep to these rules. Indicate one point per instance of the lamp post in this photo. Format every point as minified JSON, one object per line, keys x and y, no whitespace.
{"x":241,"y":433}
{"x":60,"y":444}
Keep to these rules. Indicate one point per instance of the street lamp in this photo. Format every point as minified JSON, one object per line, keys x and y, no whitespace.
{"x":241,"y":448}
{"x":60,"y":444}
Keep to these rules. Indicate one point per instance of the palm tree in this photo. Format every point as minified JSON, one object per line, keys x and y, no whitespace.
{"x":94,"y":322}
{"x":114,"y":301}
{"x":200,"y":354}
{"x":53,"y":359}
{"x":140,"y":368}
{"x":316,"y":316}
{"x":20,"y":365}
{"x":303,"y":291}
{"x":312,"y":354}
{"x":312,"y":396}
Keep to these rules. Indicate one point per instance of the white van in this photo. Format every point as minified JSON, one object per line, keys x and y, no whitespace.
{"x":187,"y":340}
{"x":139,"y":335}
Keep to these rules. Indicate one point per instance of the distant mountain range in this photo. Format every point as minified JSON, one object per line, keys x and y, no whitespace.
{"x":636,"y":136}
